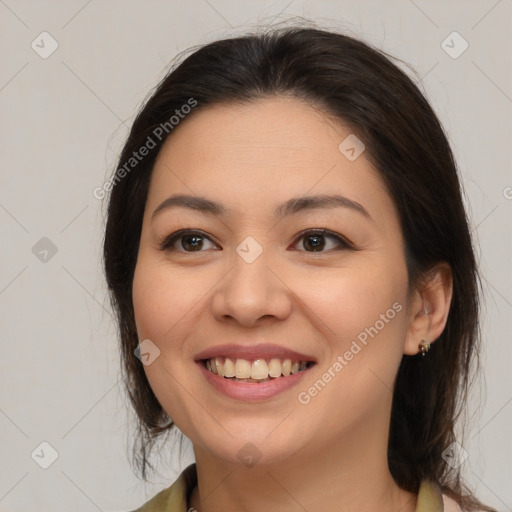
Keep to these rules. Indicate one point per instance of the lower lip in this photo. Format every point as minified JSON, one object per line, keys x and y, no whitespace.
{"x":251,"y":391}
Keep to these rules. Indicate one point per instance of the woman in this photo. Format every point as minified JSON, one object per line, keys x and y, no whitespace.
{"x":290,"y":261}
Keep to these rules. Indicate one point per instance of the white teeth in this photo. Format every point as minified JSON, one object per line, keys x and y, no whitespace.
{"x":229,"y":368}
{"x":259,"y":369}
{"x":274,"y":368}
{"x":242,"y":369}
{"x":220,"y":367}
{"x":287,"y":367}
{"x":255,"y":370}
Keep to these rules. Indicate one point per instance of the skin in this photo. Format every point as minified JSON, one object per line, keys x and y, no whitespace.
{"x":331,"y":453}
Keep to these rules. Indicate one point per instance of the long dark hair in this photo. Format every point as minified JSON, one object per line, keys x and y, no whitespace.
{"x":359,"y":85}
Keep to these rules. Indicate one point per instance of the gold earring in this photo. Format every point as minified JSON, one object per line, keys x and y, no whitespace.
{"x":424,"y":346}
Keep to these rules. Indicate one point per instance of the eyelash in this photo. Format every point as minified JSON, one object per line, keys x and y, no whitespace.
{"x":167,"y":243}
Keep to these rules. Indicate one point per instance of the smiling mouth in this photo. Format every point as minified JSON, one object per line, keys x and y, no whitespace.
{"x":254,"y":370}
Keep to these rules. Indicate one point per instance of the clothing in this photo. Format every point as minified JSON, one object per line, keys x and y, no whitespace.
{"x":176,"y":497}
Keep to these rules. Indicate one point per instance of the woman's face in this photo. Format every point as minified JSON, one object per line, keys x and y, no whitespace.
{"x":255,"y":285}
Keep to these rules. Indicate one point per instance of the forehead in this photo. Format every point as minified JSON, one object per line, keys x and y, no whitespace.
{"x":281,"y":127}
{"x":260,"y":151}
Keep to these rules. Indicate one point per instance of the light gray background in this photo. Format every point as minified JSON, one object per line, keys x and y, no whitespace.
{"x":63,"y":121}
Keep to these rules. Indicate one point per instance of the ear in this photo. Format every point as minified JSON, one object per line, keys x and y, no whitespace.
{"x":429,"y":307}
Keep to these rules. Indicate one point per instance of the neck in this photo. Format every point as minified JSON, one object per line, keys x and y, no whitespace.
{"x":351,"y":475}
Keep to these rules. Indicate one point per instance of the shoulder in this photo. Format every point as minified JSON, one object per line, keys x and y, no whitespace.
{"x":175,"y":497}
{"x":157,"y":503}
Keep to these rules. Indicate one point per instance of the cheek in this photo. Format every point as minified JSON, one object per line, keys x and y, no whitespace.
{"x":358,"y":304}
{"x":164,"y":305}
{"x":364,"y":323}
{"x":162,"y":300}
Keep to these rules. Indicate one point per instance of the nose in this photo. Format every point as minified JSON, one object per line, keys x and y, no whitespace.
{"x":251,"y":293}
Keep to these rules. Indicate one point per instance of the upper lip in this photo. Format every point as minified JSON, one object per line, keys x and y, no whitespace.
{"x":261,"y":351}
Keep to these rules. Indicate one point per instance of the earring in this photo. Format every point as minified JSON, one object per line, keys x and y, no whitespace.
{"x":424,"y":346}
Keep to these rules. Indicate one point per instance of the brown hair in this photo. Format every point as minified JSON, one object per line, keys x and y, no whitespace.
{"x":359,"y":85}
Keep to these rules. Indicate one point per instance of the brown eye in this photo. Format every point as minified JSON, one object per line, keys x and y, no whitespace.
{"x":189,"y":241}
{"x":312,"y":241}
{"x":315,"y":241}
{"x":192,"y":242}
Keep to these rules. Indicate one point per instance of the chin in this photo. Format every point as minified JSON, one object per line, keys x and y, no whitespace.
{"x":261,"y":445}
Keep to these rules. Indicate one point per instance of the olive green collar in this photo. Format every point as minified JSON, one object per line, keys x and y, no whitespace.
{"x":176,"y":497}
{"x":430,"y":498}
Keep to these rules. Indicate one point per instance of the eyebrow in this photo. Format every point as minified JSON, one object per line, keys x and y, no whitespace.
{"x":289,"y":207}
